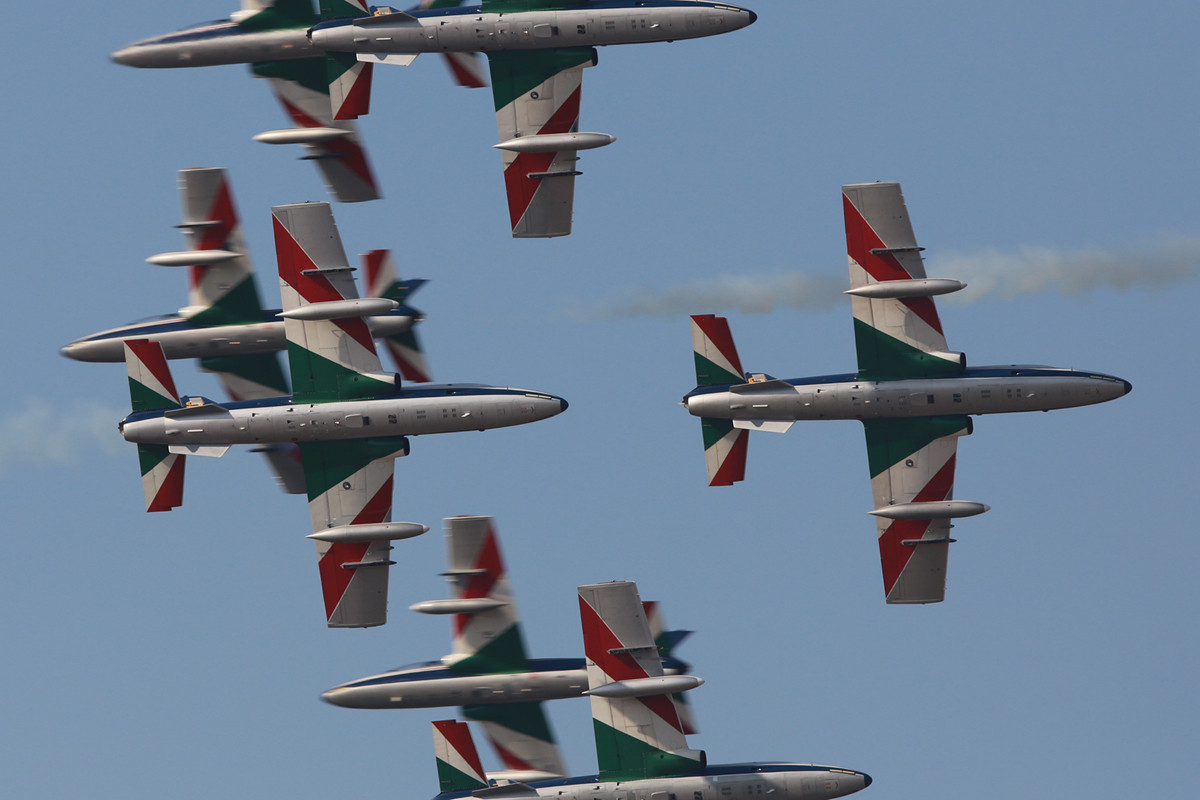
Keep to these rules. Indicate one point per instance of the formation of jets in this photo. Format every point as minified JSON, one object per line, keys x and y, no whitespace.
{"x":334,"y":422}
{"x":320,"y":67}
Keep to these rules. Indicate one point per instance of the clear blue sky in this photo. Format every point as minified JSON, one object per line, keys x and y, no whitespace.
{"x":1049,"y":149}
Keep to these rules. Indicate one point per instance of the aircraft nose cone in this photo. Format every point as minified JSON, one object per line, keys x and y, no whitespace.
{"x":562,"y":405}
{"x":866,"y":780}
{"x":123,"y":56}
{"x":1128,"y":386}
{"x":753,"y":17}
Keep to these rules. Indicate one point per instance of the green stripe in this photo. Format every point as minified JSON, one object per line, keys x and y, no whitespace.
{"x":151,"y":455}
{"x":624,"y":757}
{"x":326,"y":464}
{"x":239,"y":306}
{"x":714,"y":430}
{"x":264,"y":369}
{"x":889,"y":441}
{"x":708,"y":373}
{"x":524,"y":718}
{"x":885,"y":358}
{"x":144,"y":398}
{"x":316,"y":379}
{"x":516,"y":72}
{"x":505,"y":653}
{"x":451,"y":779}
{"x":281,"y":14}
{"x":306,"y":72}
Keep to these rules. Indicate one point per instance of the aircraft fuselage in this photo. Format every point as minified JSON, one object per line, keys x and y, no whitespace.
{"x":976,"y":390}
{"x":447,"y":408}
{"x":466,"y":29}
{"x":780,"y":781}
{"x":435,"y":684}
{"x":181,"y":338}
{"x":472,"y":30}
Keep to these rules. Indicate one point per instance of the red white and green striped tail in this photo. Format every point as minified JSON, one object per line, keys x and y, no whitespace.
{"x":897,"y":332}
{"x":666,"y":641}
{"x":379,"y":269}
{"x":349,"y":85}
{"x":637,"y":727}
{"x":717,"y":364}
{"x":330,"y":350}
{"x":152,"y":388}
{"x":458,"y":764}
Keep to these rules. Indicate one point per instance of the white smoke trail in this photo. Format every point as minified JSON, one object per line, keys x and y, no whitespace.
{"x":1166,"y":261}
{"x":1157,"y":264}
{"x":40,"y":436}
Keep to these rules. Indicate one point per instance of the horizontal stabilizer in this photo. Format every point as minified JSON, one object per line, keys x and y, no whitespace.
{"x":394,"y":59}
{"x":768,"y":425}
{"x":206,"y":450}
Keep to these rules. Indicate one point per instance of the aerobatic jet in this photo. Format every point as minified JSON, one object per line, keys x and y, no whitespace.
{"x":536,"y":49}
{"x":911,"y":394}
{"x":349,"y":419}
{"x":489,"y":673}
{"x":224,"y":325}
{"x":641,"y":748}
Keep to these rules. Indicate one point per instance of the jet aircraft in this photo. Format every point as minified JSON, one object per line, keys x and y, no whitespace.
{"x":912,"y":396}
{"x":349,"y":419}
{"x":640,"y":746}
{"x":224,"y":325}
{"x":537,"y":51}
{"x":224,"y":318}
{"x":488,"y":673}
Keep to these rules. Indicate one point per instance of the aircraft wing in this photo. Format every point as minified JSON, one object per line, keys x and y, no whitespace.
{"x":332,"y":144}
{"x":520,"y":734}
{"x":350,"y":484}
{"x":537,"y":93}
{"x":912,"y":461}
{"x":897,"y":332}
{"x":330,"y":350}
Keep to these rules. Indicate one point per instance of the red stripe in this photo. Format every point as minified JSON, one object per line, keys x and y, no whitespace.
{"x":861,"y":239}
{"x":372,"y":266}
{"x":335,"y":580}
{"x":292,"y":261}
{"x":511,"y":760}
{"x":463,"y":74}
{"x":598,"y":640}
{"x":458,"y":736}
{"x":216,"y":237}
{"x":151,"y":355}
{"x":358,"y":100}
{"x":716,"y":329}
{"x":349,"y":153}
{"x":170,"y":492}
{"x":521,"y":188}
{"x":895,"y":556}
{"x":408,"y":370}
{"x":488,"y":559}
{"x":733,"y":468}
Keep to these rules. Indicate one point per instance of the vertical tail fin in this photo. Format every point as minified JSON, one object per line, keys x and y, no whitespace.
{"x":458,"y":764}
{"x":638,"y":730}
{"x":349,"y":85}
{"x":520,"y":734}
{"x":717,"y":363}
{"x":379,"y":270}
{"x":151,"y":388}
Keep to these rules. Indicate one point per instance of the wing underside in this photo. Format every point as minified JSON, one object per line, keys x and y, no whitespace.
{"x":912,"y":461}
{"x":537,"y":93}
